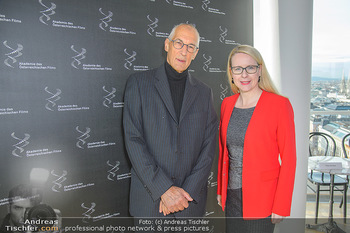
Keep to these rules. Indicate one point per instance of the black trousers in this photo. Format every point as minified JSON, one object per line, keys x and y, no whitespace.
{"x":234,"y":216}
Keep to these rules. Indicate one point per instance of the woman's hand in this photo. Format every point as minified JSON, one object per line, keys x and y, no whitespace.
{"x":218,"y":197}
{"x":275,"y":218}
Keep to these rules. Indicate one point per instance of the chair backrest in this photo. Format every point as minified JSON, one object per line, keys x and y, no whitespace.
{"x":321,"y":144}
{"x":345,"y":144}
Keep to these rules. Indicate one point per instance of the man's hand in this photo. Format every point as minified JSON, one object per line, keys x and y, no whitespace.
{"x":163,"y":209}
{"x":275,"y":218}
{"x":173,"y":200}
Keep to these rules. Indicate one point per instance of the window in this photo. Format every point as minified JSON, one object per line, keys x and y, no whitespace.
{"x":330,"y":85}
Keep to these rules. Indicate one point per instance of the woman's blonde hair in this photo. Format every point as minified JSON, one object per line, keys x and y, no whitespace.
{"x":265,"y":82}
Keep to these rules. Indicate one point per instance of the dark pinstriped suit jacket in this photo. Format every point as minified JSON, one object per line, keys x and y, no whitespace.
{"x":163,"y":150}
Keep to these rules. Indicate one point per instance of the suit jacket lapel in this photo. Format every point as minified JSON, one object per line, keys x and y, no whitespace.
{"x":162,"y":86}
{"x":190,"y":95}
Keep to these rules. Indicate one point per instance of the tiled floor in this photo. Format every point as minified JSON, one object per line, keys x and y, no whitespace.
{"x":323,"y":215}
{"x":324,"y":209}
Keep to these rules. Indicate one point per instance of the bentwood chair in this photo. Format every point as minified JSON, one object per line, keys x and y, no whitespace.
{"x":322,"y":144}
{"x":345,"y":144}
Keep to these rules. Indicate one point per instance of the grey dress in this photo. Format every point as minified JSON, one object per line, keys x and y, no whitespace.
{"x":236,"y":130}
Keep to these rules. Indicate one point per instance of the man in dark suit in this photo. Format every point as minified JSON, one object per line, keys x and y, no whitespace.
{"x":170,"y":128}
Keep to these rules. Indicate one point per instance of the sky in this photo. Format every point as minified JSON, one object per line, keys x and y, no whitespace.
{"x":331,"y":38}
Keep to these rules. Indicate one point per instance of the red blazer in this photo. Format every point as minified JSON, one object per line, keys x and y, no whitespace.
{"x":267,"y":185}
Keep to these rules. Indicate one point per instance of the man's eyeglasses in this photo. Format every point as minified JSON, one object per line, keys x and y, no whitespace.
{"x":249,"y":69}
{"x":178,"y":44}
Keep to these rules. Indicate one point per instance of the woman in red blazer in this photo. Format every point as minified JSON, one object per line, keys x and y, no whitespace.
{"x":257,"y":156}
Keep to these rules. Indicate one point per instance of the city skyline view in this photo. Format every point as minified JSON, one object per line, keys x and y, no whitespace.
{"x":331,"y":36}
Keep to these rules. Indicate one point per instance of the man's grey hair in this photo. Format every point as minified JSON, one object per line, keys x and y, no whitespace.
{"x":172,"y":33}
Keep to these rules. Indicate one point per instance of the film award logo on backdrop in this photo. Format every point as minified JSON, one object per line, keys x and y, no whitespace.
{"x":211,"y":182}
{"x":223,"y":92}
{"x":107,"y":99}
{"x":205,"y":4}
{"x":152,"y":26}
{"x":223,"y":34}
{"x":83,"y":136}
{"x":129,"y":62}
{"x":80,"y":56}
{"x":104,"y":21}
{"x":54,"y":97}
{"x":179,"y":4}
{"x":47,"y":12}
{"x":206,"y":63}
{"x":112,"y":171}
{"x":22,"y":142}
{"x":59,"y":179}
{"x":13,"y":54}
{"x":89,"y":210}
{"x":130,"y":59}
{"x":87,"y":218}
{"x":205,"y":7}
{"x":104,"y":24}
{"x":76,"y":63}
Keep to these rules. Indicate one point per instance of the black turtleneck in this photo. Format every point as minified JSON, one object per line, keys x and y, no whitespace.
{"x":177,"y":83}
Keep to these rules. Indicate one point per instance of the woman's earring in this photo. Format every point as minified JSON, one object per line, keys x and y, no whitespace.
{"x":233,"y":81}
{"x":259,"y":79}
